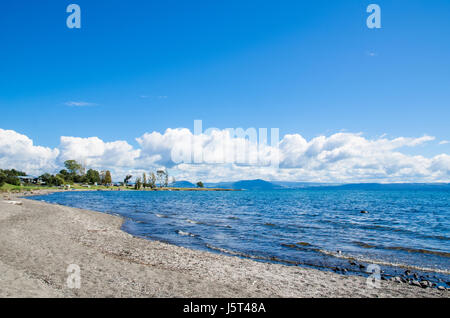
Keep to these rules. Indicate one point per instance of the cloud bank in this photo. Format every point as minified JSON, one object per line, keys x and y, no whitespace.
{"x":340,"y":157}
{"x":79,"y":104}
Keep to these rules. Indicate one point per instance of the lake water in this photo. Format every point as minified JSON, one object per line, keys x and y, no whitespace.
{"x":318,"y":227}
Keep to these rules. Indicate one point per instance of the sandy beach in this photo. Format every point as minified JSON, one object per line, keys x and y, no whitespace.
{"x":38,"y":241}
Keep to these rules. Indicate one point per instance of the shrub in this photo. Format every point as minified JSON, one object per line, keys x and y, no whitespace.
{"x":2,"y":178}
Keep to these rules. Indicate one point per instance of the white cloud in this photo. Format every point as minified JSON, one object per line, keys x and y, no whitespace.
{"x":341,"y":157}
{"x":79,"y":104}
{"x":444,"y":142}
{"x":118,"y":156}
{"x":17,"y":151}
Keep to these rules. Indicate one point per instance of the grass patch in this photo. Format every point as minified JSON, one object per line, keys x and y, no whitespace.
{"x":13,"y":188}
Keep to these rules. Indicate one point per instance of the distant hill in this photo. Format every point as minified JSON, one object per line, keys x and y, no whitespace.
{"x":255,"y":185}
{"x":301,"y":185}
{"x":279,"y":185}
{"x":393,"y":186}
{"x":183,"y":184}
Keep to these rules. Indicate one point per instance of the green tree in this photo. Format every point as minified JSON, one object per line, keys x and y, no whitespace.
{"x":92,"y":176}
{"x":66,"y":176}
{"x":200,"y":184}
{"x":16,"y":173}
{"x":161,"y":176}
{"x":73,"y":167}
{"x":152,"y":180}
{"x":58,"y":180}
{"x":127,"y":178}
{"x":108,"y":178}
{"x":138,"y":184}
{"x":166,"y":179}
{"x":61,"y":177}
{"x":11,"y":176}
{"x":144,"y":180}
{"x":47,"y":178}
{"x":2,"y":178}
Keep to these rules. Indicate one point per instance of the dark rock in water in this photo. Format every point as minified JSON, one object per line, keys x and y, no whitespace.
{"x":289,"y":245}
{"x":344,"y":270}
{"x":362,"y":266}
{"x":441,"y":288}
{"x":352,"y":263}
{"x":448,"y":283}
{"x":415,"y":283}
{"x":397,"y":279}
{"x":407,"y":272}
{"x":424,"y":284}
{"x":416,"y":276}
{"x":364,"y":212}
{"x":383,"y":278}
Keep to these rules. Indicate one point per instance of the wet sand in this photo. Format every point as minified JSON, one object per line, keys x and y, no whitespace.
{"x":38,"y":241}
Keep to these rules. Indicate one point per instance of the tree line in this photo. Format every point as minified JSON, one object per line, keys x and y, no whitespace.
{"x":11,"y":176}
{"x":161,"y":179}
{"x":75,"y":172}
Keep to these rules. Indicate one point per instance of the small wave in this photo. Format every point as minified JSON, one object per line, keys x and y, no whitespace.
{"x":386,"y":228}
{"x":404,"y":249}
{"x":414,"y":250}
{"x":269,"y":224}
{"x":297,"y":245}
{"x":371,"y":261}
{"x":289,"y":245}
{"x":161,"y":215}
{"x":364,"y":245}
{"x":223,"y":225}
{"x":233,"y":218}
{"x":406,"y":231}
{"x":255,"y":257}
{"x":193,"y":222}
{"x":185,"y":233}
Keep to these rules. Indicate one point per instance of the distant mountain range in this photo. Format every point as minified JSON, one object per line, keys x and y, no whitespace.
{"x":183,"y":184}
{"x":259,"y":184}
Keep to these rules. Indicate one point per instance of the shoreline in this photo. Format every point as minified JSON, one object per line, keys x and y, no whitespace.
{"x":38,"y":241}
{"x":48,"y":191}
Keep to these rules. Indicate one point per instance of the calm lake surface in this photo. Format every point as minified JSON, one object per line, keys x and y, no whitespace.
{"x":321,"y":228}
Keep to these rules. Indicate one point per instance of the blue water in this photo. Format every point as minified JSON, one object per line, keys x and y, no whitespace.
{"x":316,"y":227}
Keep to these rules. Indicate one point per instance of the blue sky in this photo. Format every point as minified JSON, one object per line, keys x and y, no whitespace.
{"x":307,"y":67}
